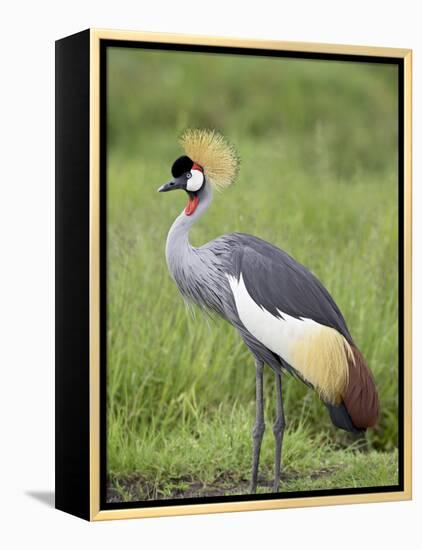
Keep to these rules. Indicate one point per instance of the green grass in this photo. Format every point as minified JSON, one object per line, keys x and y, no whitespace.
{"x":213,"y":458}
{"x":318,"y":179}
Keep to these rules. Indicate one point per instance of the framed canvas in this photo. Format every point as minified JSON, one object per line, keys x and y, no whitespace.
{"x":183,"y":331}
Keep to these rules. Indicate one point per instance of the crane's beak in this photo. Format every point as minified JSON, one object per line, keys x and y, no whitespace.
{"x":171,"y":185}
{"x":180,"y":183}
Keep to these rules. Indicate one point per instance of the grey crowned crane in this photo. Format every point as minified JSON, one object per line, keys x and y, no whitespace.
{"x":285,"y":316}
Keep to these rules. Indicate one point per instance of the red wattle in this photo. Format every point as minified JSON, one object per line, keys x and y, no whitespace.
{"x":191,"y":206}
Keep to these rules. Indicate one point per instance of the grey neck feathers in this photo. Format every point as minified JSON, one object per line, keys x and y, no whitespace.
{"x":178,"y":249}
{"x":198,"y":272}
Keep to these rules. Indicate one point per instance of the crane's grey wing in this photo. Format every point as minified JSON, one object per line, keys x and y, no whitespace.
{"x":279,"y":284}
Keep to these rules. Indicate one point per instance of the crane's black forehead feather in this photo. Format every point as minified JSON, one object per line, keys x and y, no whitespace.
{"x":181,"y":165}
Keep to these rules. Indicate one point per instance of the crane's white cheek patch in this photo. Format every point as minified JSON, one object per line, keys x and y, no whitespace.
{"x":318,"y":352}
{"x":196,"y":181}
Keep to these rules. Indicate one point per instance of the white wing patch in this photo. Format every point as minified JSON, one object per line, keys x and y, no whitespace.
{"x":196,"y":181}
{"x":281,"y":336}
{"x":319,"y":353}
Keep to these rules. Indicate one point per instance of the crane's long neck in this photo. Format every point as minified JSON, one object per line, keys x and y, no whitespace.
{"x":179,"y":252}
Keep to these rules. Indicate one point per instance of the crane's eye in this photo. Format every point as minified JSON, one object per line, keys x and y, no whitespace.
{"x":188,"y":175}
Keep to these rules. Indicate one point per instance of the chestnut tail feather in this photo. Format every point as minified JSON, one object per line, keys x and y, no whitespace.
{"x":361,"y":397}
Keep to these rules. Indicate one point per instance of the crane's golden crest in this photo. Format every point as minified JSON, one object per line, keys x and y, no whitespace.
{"x":214,"y":153}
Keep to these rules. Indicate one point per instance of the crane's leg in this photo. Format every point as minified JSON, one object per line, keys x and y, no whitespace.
{"x":258,"y":429}
{"x":278,"y":430}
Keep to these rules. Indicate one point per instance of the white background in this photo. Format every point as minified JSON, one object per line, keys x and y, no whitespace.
{"x":27,"y":37}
